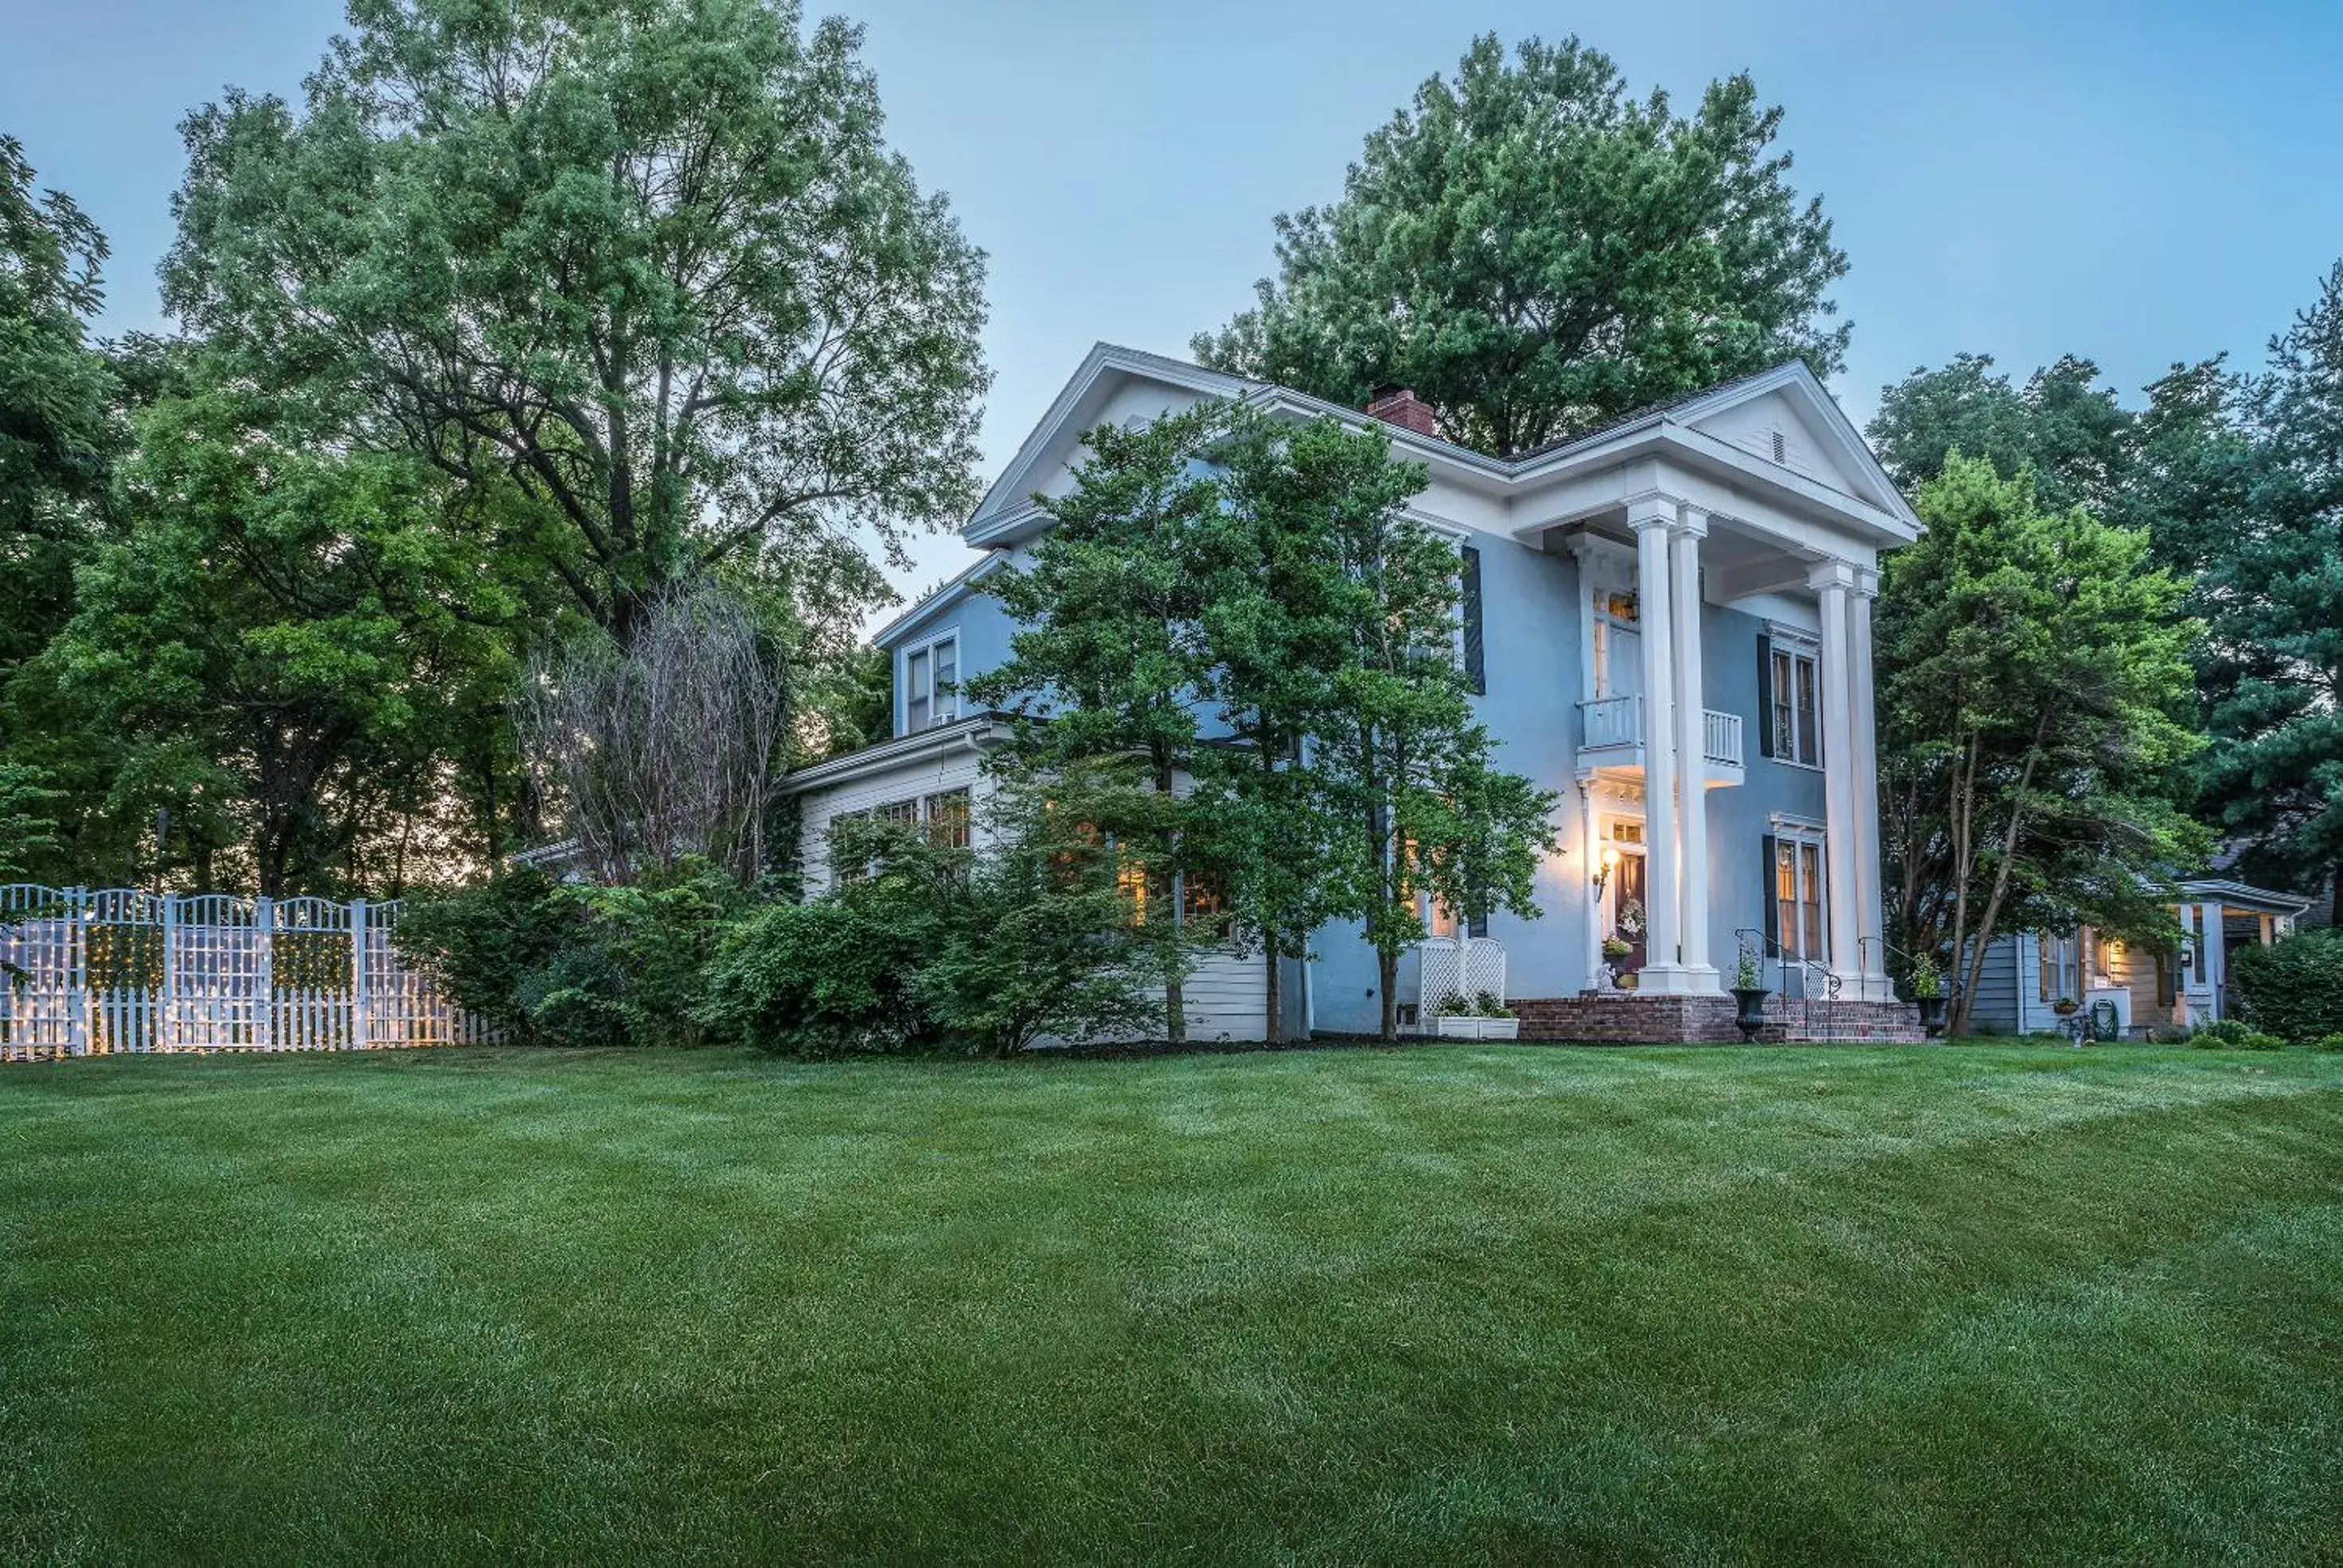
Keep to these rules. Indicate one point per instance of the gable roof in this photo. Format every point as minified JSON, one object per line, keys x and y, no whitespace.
{"x":1007,"y":494}
{"x":951,"y":590}
{"x":1006,"y":504}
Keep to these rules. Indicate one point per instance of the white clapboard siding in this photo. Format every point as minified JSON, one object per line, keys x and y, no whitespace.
{"x":87,"y":972}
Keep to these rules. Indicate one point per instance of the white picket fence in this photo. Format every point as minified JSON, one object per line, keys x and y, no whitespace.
{"x":91,"y":972}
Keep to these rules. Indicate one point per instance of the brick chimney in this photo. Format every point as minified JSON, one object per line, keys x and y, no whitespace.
{"x":1399,"y":406}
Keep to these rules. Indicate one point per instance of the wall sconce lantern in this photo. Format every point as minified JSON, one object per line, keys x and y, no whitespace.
{"x":1608,"y":863}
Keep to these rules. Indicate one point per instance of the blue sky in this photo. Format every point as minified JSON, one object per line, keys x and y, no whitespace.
{"x":2138,"y":182}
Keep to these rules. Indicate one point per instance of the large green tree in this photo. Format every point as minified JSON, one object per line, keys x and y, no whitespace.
{"x":1416,"y":806}
{"x":58,"y":434}
{"x":2268,"y":543}
{"x":1111,"y":659}
{"x":2033,"y":677}
{"x":1273,"y":624}
{"x":648,"y":263}
{"x":2064,"y":425}
{"x":57,"y":393}
{"x":1535,"y":251}
{"x":300,"y":651}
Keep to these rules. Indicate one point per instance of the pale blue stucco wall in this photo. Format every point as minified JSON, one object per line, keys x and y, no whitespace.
{"x":1529,"y":623}
{"x":983,"y":625}
{"x":1531,"y":606}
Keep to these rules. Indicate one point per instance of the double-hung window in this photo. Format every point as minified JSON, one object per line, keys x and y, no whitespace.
{"x":1797,"y":863}
{"x":1790,"y":686}
{"x":948,"y":817}
{"x":2061,"y":977}
{"x":931,"y":685}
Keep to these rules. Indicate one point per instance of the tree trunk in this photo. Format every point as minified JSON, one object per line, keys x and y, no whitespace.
{"x":1274,"y":1030}
{"x":1175,"y":1001}
{"x":1387,"y":982}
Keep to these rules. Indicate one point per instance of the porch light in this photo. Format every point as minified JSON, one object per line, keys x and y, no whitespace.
{"x":1610,"y":863}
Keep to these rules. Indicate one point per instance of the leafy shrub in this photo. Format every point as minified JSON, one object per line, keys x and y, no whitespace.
{"x":491,"y":940}
{"x":2293,"y":989}
{"x":577,"y":965}
{"x":937,"y":946}
{"x":827,"y":978}
{"x":634,"y":972}
{"x":2332,"y":1043}
{"x":2233,"y":1034}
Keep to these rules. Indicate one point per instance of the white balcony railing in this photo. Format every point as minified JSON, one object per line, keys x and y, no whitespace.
{"x":1720,"y":738}
{"x":1613,"y":722}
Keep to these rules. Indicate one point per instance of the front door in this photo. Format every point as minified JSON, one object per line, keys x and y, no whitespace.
{"x":1626,"y":888}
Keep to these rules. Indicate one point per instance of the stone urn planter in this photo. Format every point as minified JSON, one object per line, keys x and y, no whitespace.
{"x":1750,"y":1002}
{"x":1931,"y":1014}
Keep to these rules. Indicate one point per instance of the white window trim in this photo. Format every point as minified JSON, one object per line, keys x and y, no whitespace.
{"x":1798,"y":643}
{"x":1801,"y":835}
{"x":928,"y":645}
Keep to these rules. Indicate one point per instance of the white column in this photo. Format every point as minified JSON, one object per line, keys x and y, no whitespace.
{"x":1590,"y":845}
{"x":1833,"y":582}
{"x":1653,"y":520}
{"x":1861,"y":700}
{"x":1692,"y":747}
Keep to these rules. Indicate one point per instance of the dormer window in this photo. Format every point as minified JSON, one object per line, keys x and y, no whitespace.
{"x":931,"y":685}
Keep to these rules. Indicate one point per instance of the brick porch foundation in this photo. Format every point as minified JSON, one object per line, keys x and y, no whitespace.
{"x":1613,"y":1017}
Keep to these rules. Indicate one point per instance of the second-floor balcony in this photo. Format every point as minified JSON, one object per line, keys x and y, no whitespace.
{"x":1611,"y":739}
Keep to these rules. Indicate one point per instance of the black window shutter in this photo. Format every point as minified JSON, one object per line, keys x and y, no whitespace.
{"x":1475,"y":668}
{"x":1765,"y":698}
{"x":1773,"y":906}
{"x":1477,"y":925}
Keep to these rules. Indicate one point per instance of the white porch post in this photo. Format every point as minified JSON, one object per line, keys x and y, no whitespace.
{"x":1652,"y":518}
{"x":2217,"y":959}
{"x":1590,"y":857}
{"x":1692,"y":747}
{"x":1833,"y":581}
{"x":1870,"y":913}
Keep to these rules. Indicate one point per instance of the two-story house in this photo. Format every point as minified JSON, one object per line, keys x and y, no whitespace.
{"x":1671,"y":619}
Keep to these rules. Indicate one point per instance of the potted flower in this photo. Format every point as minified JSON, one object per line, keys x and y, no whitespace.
{"x":1749,"y":995}
{"x":1929,"y":990}
{"x":1630,"y":931}
{"x":1497,"y":1021}
{"x":2066,"y":1006}
{"x":1452,"y":1016}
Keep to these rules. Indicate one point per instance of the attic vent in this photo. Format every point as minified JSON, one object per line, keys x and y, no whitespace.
{"x":1781,"y":449}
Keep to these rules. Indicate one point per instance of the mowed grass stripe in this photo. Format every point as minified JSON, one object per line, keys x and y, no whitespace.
{"x":1338,"y":1306}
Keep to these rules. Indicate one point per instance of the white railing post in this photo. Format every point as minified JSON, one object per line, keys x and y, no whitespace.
{"x":358,"y":974}
{"x":167,"y":1023}
{"x":264,"y":974}
{"x":76,"y":972}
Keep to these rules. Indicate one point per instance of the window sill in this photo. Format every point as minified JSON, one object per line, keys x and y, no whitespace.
{"x":1792,"y":762}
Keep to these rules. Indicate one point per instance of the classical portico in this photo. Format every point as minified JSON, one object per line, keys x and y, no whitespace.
{"x":1676,"y":537}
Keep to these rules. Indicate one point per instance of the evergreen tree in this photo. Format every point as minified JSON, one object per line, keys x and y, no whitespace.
{"x":2032,"y":666}
{"x":1416,"y":806}
{"x":1111,"y":660}
{"x":2271,"y":590}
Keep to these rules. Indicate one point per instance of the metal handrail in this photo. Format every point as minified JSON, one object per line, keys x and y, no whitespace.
{"x":1807,"y":968}
{"x":1951,"y":977}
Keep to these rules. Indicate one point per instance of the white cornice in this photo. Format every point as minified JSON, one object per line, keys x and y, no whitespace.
{"x":969,"y":733}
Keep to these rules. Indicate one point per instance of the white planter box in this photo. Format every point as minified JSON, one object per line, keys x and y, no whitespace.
{"x":1478,"y":1027}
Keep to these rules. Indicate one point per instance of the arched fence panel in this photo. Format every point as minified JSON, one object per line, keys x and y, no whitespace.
{"x":93,"y":972}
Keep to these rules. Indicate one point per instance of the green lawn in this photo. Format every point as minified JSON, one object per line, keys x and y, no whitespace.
{"x":1978,"y":1304}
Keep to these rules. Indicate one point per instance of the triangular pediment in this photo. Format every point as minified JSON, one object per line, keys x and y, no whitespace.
{"x":1785,"y":416}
